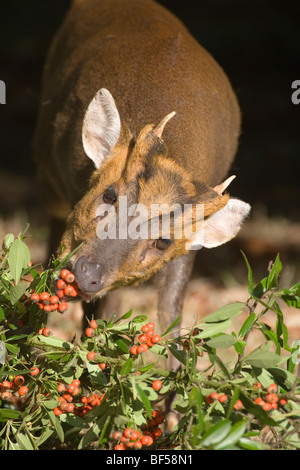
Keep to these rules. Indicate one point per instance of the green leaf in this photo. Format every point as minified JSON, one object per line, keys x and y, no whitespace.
{"x":146,"y":402}
{"x":222,"y":341}
{"x":262,"y":359}
{"x":7,"y":241}
{"x":18,"y":258}
{"x":24,"y":442}
{"x":6,"y":413}
{"x":247,"y":325}
{"x":216,"y":434}
{"x":1,"y":314}
{"x":56,"y":342}
{"x":224,"y":313}
{"x":126,"y":367}
{"x":125,"y":316}
{"x":17,"y":292}
{"x":234,"y":435}
{"x":180,"y":355}
{"x":250,"y":278}
{"x":174,"y":323}
{"x":272,"y":280}
{"x":213,"y":329}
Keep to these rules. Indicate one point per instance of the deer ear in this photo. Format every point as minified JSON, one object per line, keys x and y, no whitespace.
{"x":221,"y":226}
{"x":101,"y":127}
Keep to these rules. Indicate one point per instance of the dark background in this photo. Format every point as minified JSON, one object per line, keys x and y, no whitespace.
{"x":256,"y":42}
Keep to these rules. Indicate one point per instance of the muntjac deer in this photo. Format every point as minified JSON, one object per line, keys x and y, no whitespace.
{"x":134,"y":110}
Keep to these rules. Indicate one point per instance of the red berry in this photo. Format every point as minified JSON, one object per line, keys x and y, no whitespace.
{"x":133,"y":350}
{"x":149,"y":334}
{"x":142,"y":338}
{"x":138,"y":445}
{"x":57,"y":411}
{"x":157,"y":384}
{"x":60,"y":293}
{"x":145,"y":329}
{"x":150,"y":342}
{"x":90,"y":332}
{"x":53,"y":299}
{"x":257,"y":385}
{"x":35,"y":297}
{"x":47,"y":332}
{"x":60,"y":284}
{"x":120,"y":447}
{"x":69,"y":291}
{"x":146,"y":440}
{"x":48,"y":308}
{"x":19,"y":380}
{"x":271,"y":398}
{"x":93,"y":324}
{"x":70,"y":408}
{"x":117,"y":435}
{"x":223,"y":398}
{"x":142,"y":348}
{"x":6,"y":384}
{"x":69,"y":278}
{"x":128,"y":432}
{"x":91,"y":356}
{"x":214,"y":395}
{"x":272,"y":388}
{"x":267,"y":406}
{"x":63,"y":307}
{"x":283,"y":401}
{"x":151,"y":326}
{"x":44,"y":296}
{"x":238,"y":405}
{"x":102,"y":365}
{"x":155,"y":339}
{"x":209,"y":399}
{"x":76,"y":382}
{"x":63,"y":273}
{"x":61,"y":388}
{"x":23,"y":390}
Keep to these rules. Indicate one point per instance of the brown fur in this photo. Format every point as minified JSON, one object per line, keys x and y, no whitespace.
{"x":151,"y":65}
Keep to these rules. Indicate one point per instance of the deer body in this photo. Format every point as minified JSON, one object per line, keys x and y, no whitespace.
{"x":114,"y":70}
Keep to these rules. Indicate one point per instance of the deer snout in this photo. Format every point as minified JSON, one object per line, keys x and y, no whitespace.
{"x":88,"y":274}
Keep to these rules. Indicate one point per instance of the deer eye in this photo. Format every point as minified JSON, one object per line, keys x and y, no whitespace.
{"x":109,"y":196}
{"x":162,"y":243}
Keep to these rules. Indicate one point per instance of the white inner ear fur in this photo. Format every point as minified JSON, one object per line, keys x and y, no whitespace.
{"x":101,"y":127}
{"x":221,"y":226}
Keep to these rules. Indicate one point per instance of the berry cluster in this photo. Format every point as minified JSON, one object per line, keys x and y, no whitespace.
{"x":146,"y":340}
{"x":214,"y":396}
{"x":66,"y":287}
{"x":270,"y":400}
{"x":69,"y":401}
{"x":9,"y":387}
{"x":131,"y":438}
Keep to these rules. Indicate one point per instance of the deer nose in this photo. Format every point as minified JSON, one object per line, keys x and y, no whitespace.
{"x":88,"y":274}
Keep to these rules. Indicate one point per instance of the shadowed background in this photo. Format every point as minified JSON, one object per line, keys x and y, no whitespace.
{"x":257,"y":44}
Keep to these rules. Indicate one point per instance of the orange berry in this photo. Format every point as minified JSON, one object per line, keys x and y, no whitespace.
{"x":69,"y":278}
{"x":48,"y":308}
{"x":53,"y":299}
{"x":70,"y":408}
{"x":63,"y":307}
{"x":23,"y":390}
{"x":214,"y":395}
{"x":57,"y":411}
{"x":142,"y":348}
{"x":47,"y":332}
{"x":84,"y":400}
{"x":238,"y":405}
{"x":272,"y":388}
{"x":76,"y":382}
{"x":259,"y":401}
{"x":60,"y":284}
{"x":142,"y":338}
{"x":68,"y":397}
{"x":19,"y":380}
{"x":151,"y":325}
{"x":128,"y":432}
{"x":6,"y":384}
{"x":120,"y":447}
{"x":91,"y":356}
{"x":93,"y":324}
{"x":90,"y":332}
{"x":61,"y":388}
{"x":157,"y":384}
{"x":70,"y":388}
{"x":155,"y":339}
{"x":267,"y":406}
{"x":146,"y":440}
{"x":257,"y":385}
{"x":35,"y":297}
{"x":64,"y":272}
{"x":60,"y":293}
{"x":44,"y":296}
{"x":137,"y":445}
{"x":283,"y":401}
{"x":69,"y":291}
{"x":149,"y":334}
{"x":102,"y":365}
{"x":149,"y":342}
{"x":223,"y":398}
{"x":133,"y":350}
{"x":271,"y":398}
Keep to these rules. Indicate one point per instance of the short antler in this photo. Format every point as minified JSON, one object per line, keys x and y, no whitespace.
{"x":221,"y":187}
{"x":159,"y":129}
